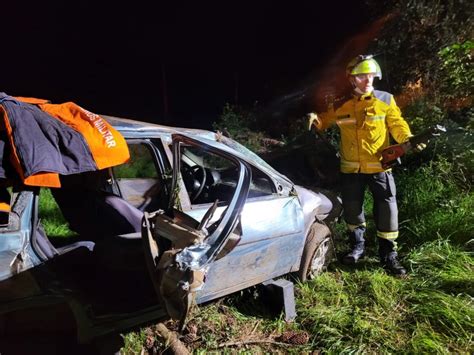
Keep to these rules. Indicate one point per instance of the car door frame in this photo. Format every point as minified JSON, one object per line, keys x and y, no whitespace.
{"x":178,"y":274}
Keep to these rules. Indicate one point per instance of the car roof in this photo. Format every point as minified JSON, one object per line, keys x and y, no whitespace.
{"x":133,"y":128}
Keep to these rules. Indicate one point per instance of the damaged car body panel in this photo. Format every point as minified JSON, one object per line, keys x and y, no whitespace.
{"x":202,"y":207}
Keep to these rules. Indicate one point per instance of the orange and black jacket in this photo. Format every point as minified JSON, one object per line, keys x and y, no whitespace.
{"x":43,"y":140}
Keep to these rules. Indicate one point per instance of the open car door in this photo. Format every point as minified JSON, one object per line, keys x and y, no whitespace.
{"x":178,"y":248}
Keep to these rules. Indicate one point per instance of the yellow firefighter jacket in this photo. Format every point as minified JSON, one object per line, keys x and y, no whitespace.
{"x":366,"y":123}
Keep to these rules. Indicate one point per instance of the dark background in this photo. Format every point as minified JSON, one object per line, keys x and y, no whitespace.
{"x":174,"y":63}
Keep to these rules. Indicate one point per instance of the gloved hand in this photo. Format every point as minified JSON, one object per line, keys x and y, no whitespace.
{"x":313,"y":119}
{"x":419,"y":147}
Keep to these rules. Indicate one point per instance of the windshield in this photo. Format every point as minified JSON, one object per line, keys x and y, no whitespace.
{"x":247,"y":153}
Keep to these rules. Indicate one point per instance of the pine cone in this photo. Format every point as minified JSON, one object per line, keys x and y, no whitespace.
{"x":188,"y":338}
{"x":300,"y":338}
{"x":192,"y":328}
{"x":294,"y":337}
{"x":286,"y":336}
{"x":149,"y":342}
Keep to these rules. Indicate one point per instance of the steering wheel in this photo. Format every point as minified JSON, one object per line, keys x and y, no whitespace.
{"x":198,"y":181}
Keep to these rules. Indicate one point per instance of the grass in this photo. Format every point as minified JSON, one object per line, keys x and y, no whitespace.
{"x":369,"y":311}
{"x":354,"y":311}
{"x":435,"y":205}
{"x":51,"y":216}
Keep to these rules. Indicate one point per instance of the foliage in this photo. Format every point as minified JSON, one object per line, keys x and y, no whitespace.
{"x":240,"y":124}
{"x":417,"y":32}
{"x":352,"y":311}
{"x":436,"y":201}
{"x":140,"y":165}
{"x":455,"y":147}
{"x":234,"y":119}
{"x":134,"y":342}
{"x":458,"y":69}
{"x":422,"y":113}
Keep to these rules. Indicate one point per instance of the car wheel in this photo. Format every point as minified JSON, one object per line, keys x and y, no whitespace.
{"x":317,"y":253}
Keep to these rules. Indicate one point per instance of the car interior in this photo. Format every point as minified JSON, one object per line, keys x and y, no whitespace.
{"x":209,"y":177}
{"x":104,"y":243}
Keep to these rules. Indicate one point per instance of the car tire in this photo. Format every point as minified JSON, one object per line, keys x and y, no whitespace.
{"x":317,"y":253}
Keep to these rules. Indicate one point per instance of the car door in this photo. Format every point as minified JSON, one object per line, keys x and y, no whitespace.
{"x":178,"y":248}
{"x":272,"y":240}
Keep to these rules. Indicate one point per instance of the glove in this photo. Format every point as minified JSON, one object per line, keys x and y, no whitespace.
{"x":419,"y":147}
{"x":313,"y":119}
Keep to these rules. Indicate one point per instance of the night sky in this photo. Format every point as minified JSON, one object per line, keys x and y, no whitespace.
{"x":128,"y":60}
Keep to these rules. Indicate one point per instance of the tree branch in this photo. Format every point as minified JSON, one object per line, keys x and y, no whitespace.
{"x":171,"y":339}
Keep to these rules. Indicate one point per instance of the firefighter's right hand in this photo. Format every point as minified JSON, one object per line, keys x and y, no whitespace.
{"x":313,"y":120}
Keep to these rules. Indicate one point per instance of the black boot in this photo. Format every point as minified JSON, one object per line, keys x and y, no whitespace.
{"x":356,"y":238}
{"x":389,"y":258}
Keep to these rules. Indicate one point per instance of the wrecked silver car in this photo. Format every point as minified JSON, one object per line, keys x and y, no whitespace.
{"x":192,"y":216}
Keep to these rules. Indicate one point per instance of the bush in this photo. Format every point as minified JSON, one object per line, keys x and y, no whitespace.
{"x":240,"y":125}
{"x":422,"y":113}
{"x":458,"y":70}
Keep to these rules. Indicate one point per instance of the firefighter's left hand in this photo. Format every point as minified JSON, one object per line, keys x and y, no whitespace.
{"x":419,"y":147}
{"x":313,"y":120}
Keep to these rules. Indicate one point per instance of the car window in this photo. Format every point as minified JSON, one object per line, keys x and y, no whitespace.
{"x":260,"y":185}
{"x":138,"y":181}
{"x":51,"y":216}
{"x":246,"y":153}
{"x":208,"y":177}
{"x":140,"y":165}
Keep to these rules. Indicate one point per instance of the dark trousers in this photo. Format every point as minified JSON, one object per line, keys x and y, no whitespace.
{"x":382,"y":187}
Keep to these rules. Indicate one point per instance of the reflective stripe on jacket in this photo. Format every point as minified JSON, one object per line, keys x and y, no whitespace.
{"x":366,"y":123}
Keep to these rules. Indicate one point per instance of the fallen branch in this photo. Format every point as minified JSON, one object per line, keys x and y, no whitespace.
{"x":272,"y":142}
{"x":171,"y":339}
{"x":247,"y":342}
{"x":255,"y":327}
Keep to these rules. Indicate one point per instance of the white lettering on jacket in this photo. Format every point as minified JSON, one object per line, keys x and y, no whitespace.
{"x":101,"y":126}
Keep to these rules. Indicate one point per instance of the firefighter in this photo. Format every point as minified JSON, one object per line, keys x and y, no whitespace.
{"x":366,"y":119}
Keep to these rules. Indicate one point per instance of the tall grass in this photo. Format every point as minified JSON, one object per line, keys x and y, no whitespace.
{"x":434,"y":205}
{"x":365,"y":310}
{"x":370,"y":311}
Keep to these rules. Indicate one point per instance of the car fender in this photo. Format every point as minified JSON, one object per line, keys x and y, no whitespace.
{"x":317,"y":205}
